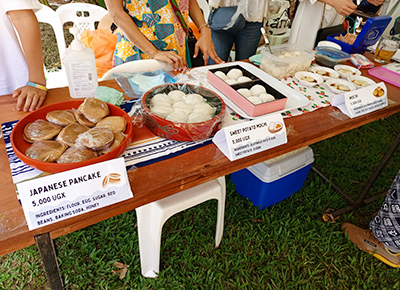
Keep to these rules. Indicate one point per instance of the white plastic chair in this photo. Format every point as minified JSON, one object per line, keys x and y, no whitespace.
{"x":83,"y":15}
{"x":47,"y":15}
{"x":136,"y":66}
{"x":151,"y":218}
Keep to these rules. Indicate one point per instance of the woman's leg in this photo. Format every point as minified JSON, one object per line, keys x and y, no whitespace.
{"x":247,"y":40}
{"x":223,"y":42}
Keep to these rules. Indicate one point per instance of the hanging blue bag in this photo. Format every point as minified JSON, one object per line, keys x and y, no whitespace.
{"x":221,"y":17}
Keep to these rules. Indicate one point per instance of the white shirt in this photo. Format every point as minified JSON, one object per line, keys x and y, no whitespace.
{"x":252,"y":10}
{"x":307,"y":22}
{"x":13,"y":67}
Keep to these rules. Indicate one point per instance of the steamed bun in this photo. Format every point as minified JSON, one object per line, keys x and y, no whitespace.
{"x":243,"y":79}
{"x":177,"y":117}
{"x":257,"y":90}
{"x":194,"y":99}
{"x":176,"y":95}
{"x":244,"y":92}
{"x":221,"y":75}
{"x":231,"y":81}
{"x":160,"y":98}
{"x":234,"y":73}
{"x":266,"y":98}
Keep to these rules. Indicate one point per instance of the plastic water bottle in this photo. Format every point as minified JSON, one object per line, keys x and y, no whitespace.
{"x":80,"y":65}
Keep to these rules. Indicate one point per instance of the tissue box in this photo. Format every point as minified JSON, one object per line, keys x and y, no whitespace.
{"x":369,"y":35}
{"x":231,"y":92}
{"x":274,"y":180}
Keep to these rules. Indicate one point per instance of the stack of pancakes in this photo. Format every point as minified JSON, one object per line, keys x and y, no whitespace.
{"x":68,"y":136}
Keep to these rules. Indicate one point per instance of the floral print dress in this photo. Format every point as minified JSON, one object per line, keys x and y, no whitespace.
{"x":157,"y":21}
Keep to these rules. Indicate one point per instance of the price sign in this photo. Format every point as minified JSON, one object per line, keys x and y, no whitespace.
{"x":56,"y":197}
{"x":251,"y":137}
{"x":362,"y":101}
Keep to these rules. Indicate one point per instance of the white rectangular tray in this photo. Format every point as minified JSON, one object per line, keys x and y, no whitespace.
{"x":294,"y":98}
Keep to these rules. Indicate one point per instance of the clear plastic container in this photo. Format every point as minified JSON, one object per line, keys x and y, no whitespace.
{"x":286,"y":60}
{"x":329,"y":56}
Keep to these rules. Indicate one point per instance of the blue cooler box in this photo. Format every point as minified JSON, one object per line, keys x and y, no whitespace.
{"x":272,"y":181}
{"x":369,"y":35}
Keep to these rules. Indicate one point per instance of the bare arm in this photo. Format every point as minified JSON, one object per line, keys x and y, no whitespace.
{"x":376,"y":2}
{"x":27,"y":26}
{"x":132,"y":32}
{"x":204,"y":43}
{"x":343,"y":7}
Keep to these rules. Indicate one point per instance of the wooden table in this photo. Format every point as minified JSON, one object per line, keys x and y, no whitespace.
{"x":161,"y":179}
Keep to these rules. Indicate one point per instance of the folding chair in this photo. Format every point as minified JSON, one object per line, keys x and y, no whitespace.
{"x":47,"y":15}
{"x":82,"y":15}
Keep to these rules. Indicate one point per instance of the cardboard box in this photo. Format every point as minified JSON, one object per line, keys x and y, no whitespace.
{"x":274,"y":180}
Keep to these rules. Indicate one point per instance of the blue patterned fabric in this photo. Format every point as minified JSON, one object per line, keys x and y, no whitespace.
{"x":386,"y":223}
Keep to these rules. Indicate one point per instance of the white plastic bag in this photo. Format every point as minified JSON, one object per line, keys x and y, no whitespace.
{"x":278,"y":17}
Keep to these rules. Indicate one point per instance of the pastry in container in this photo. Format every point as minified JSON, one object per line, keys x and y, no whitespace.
{"x":182,"y":112}
{"x":285,"y":60}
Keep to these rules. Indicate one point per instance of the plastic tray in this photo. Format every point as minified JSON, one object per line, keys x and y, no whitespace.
{"x":19,"y":145}
{"x":294,"y":99}
{"x":386,"y":75}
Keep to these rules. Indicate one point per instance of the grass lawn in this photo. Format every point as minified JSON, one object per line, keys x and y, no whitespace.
{"x":281,"y":247}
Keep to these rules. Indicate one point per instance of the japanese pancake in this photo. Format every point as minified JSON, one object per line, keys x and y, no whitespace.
{"x":76,"y":154}
{"x":96,"y":138}
{"x":114,"y":123}
{"x":46,"y":150}
{"x":82,"y":119}
{"x":61,"y":117}
{"x":94,"y":109}
{"x":118,"y":138}
{"x":40,"y":129}
{"x":70,"y":133}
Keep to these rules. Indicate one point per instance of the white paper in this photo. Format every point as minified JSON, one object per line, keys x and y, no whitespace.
{"x":244,"y":139}
{"x":362,"y":101}
{"x":57,"y":197}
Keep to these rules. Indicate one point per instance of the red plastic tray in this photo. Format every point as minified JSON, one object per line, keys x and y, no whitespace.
{"x":386,"y":75}
{"x":19,"y":145}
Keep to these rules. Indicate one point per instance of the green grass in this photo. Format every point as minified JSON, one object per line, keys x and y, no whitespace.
{"x":281,"y":247}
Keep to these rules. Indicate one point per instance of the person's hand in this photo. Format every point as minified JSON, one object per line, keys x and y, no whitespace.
{"x":344,"y":7}
{"x":206,"y":46}
{"x":170,"y":57}
{"x":376,"y":2}
{"x":29,"y":98}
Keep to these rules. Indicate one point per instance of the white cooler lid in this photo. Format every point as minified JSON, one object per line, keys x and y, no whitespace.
{"x":280,"y":166}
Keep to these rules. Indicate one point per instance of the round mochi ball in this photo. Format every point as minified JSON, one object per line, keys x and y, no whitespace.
{"x":204,"y":109}
{"x":278,"y":72}
{"x":231,"y":81}
{"x":234,"y":73}
{"x":198,"y":117}
{"x":161,"y":111}
{"x":194,"y":99}
{"x":160,"y":98}
{"x":266,"y":98}
{"x":255,"y":100}
{"x":177,"y":117}
{"x":221,"y":75}
{"x":183,"y":107}
{"x":244,"y":92}
{"x":176,"y":95}
{"x":243,"y":79}
{"x":257,"y":90}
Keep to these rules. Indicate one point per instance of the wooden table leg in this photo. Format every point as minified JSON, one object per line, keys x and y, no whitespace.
{"x":49,"y":257}
{"x":361,"y":200}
